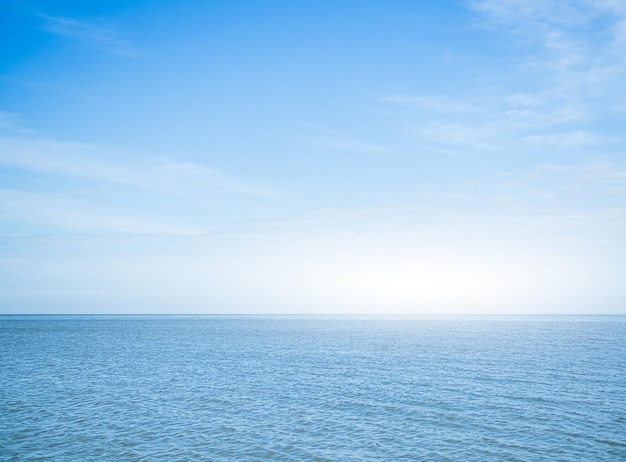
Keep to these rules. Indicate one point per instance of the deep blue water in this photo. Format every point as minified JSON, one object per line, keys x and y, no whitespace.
{"x":232,"y":388}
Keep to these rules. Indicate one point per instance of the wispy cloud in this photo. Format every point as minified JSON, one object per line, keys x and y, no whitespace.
{"x":62,"y":212}
{"x":90,"y":34}
{"x":581,"y":40}
{"x":596,"y":179}
{"x":78,"y":186}
{"x":199,"y":175}
{"x":573,"y":139}
{"x":87,"y":161}
{"x":466,"y":137}
{"x":347,"y":145}
{"x":438,"y":104}
{"x":564,"y":89}
{"x":330,"y":139}
{"x":557,"y":13}
{"x":9,"y":122}
{"x":524,"y":100}
{"x":590,"y":197}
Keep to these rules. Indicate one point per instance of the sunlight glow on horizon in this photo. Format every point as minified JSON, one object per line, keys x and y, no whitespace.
{"x":330,"y":157}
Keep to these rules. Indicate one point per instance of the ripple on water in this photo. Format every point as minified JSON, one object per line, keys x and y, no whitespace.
{"x":312,"y":388}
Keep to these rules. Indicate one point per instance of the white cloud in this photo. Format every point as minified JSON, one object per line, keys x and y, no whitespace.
{"x":538,"y":13}
{"x":573,"y":139}
{"x":90,"y":162}
{"x":574,"y":51}
{"x":601,"y":183}
{"x":597,"y":173}
{"x":201,"y":175}
{"x":524,"y":99}
{"x":82,"y":187}
{"x":576,"y":36}
{"x":97,"y":36}
{"x":562,"y":89}
{"x":347,"y":145}
{"x":9,"y":122}
{"x":437,"y":104}
{"x":468,"y":140}
{"x":330,"y":139}
{"x":60,"y":212}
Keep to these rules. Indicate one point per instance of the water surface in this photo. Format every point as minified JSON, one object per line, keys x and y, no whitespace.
{"x":296,"y":388}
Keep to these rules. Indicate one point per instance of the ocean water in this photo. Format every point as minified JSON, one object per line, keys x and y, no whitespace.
{"x":298,"y":388}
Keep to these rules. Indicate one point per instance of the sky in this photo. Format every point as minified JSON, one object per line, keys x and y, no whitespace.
{"x":388,"y":157}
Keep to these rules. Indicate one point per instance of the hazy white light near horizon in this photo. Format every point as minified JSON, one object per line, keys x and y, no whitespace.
{"x":321,"y":275}
{"x":471,"y":282}
{"x":467,"y":157}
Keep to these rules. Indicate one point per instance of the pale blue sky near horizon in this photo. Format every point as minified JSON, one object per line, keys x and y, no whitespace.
{"x":313,"y":157}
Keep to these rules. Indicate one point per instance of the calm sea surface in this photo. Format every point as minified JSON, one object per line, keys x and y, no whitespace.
{"x":231,"y":388}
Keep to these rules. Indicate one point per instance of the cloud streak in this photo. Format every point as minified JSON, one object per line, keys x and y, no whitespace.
{"x":562,"y":88}
{"x":90,"y":162}
{"x":61,"y":212}
{"x":583,"y":40}
{"x":92,"y":35}
{"x":90,"y":188}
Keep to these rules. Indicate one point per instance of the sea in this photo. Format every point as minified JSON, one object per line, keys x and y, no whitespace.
{"x":312,"y":388}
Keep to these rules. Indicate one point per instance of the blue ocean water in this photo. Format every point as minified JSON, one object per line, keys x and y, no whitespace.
{"x":298,"y":388}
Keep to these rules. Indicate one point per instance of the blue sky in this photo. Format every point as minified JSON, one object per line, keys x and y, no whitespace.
{"x":319,"y":157}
